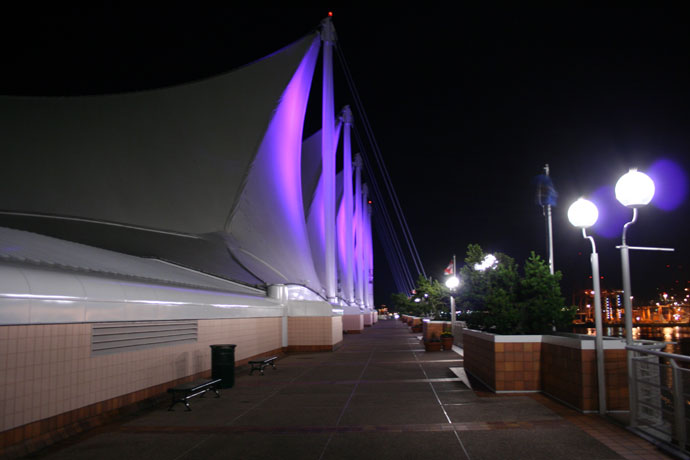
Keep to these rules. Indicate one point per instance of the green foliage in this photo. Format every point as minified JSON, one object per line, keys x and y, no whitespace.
{"x":499,"y":300}
{"x":541,"y":299}
{"x":490,"y":296}
{"x":432,"y":297}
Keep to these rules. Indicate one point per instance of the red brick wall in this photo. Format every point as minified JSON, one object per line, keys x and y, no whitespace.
{"x":480,"y":359}
{"x":566,"y":373}
{"x":518,"y":366}
{"x":570,"y":375}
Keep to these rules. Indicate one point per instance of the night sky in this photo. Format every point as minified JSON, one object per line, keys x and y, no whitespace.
{"x":467,"y":106}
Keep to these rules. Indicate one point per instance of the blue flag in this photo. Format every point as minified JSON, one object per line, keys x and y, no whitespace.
{"x":546,"y":193}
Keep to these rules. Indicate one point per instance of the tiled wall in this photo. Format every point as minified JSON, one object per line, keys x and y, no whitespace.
{"x":367,"y":319}
{"x":47,"y":370}
{"x":479,"y":359}
{"x":337,"y":330}
{"x":353,"y":324}
{"x":314,"y":333}
{"x":433,"y":329}
{"x":616,"y":369}
{"x":571,"y":376}
{"x":564,"y":371}
{"x":503,"y":366}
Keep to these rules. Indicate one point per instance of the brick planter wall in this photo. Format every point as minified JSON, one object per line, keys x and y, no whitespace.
{"x":570,"y":373}
{"x":563,"y":367}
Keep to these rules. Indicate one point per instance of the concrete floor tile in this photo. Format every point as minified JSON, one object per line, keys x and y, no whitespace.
{"x":296,"y":401}
{"x":394,"y":446}
{"x":396,"y":415}
{"x":253,"y":446}
{"x":500,"y":409}
{"x":536,"y":444}
{"x":119,"y":446}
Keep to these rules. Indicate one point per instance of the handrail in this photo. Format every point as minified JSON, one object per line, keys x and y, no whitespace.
{"x":661,"y":354}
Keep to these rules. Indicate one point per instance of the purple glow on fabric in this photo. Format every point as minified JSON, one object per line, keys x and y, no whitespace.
{"x":284,"y":142}
{"x":269,"y":222}
{"x":612,"y":214}
{"x":369,"y":259}
{"x":671,"y":184}
{"x":342,"y":240}
{"x":316,"y":226}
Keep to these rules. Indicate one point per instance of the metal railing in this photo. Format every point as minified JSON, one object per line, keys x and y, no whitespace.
{"x":660,"y":395}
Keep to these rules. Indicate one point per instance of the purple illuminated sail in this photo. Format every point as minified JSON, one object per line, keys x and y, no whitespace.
{"x":267,"y":228}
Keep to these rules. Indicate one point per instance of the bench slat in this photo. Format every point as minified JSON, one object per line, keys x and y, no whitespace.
{"x":183,"y":392}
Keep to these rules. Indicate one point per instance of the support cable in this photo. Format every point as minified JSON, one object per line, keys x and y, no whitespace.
{"x":382,"y":167}
{"x":388,"y":228}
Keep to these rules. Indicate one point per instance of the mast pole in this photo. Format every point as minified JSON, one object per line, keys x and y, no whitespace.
{"x":349,"y":209}
{"x":328,"y":159}
{"x":550,"y":228}
{"x":359,"y":255}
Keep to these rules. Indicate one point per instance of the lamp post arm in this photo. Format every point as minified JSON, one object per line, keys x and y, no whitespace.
{"x":591,"y":240}
{"x":625,"y":227}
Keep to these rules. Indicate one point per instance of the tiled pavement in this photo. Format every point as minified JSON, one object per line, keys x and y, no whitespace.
{"x":379,"y":396}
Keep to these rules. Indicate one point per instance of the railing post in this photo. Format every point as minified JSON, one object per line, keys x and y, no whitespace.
{"x":632,"y":387}
{"x":678,"y":405}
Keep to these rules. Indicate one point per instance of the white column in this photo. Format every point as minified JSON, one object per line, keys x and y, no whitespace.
{"x":359,"y":231}
{"x":364,"y":223}
{"x":369,"y":257}
{"x":328,"y":159}
{"x":348,"y":282}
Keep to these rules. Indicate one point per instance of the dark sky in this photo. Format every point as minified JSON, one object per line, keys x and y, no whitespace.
{"x":467,"y":106}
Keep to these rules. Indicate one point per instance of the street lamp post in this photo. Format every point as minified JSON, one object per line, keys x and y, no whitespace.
{"x":633,"y":190}
{"x":583,"y":214}
{"x":452,"y":283}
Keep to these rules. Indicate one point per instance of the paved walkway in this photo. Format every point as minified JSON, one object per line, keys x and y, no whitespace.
{"x":379,"y":396}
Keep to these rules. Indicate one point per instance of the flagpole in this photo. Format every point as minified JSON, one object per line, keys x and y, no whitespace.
{"x":452,"y":303}
{"x":550,"y":227}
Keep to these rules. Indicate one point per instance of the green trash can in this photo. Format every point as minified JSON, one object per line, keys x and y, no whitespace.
{"x":223,"y":364}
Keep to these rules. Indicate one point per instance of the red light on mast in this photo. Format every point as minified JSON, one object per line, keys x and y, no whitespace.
{"x":330,"y":14}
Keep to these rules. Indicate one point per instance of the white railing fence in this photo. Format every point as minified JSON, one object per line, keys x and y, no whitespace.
{"x":660,"y":395}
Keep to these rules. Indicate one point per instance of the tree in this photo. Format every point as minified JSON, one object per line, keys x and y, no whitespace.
{"x":541,"y":302}
{"x":489,"y":296}
{"x":428,"y":299}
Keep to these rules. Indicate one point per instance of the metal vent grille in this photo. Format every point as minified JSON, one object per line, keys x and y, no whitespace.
{"x":108,"y":338}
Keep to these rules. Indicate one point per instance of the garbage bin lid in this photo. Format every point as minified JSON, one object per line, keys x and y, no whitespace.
{"x":226,"y":345}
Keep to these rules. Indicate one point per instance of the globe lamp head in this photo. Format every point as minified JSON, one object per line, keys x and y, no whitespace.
{"x":452,"y":282}
{"x":634,"y":189}
{"x":583,"y":213}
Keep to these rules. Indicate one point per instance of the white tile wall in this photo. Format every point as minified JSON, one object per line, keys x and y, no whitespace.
{"x":46,"y":370}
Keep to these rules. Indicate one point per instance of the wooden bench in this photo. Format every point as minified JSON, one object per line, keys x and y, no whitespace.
{"x":182,"y":393}
{"x":260,"y":364}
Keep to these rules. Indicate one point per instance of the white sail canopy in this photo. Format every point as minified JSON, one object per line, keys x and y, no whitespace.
{"x":214,"y":175}
{"x":172,"y":159}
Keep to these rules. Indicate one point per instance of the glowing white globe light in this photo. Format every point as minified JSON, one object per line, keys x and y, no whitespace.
{"x":634,"y":189}
{"x":488,"y":262}
{"x":583,"y":213}
{"x":452,"y":282}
